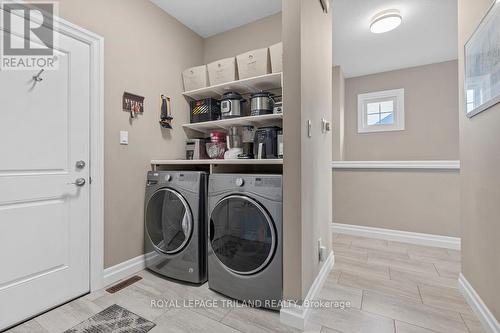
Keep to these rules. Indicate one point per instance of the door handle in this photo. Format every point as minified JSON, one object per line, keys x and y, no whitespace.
{"x":78,"y":182}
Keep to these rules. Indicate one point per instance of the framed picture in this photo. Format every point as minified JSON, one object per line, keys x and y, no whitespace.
{"x":482,"y":64}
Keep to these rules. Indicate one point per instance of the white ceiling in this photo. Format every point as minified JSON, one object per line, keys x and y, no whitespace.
{"x":210,"y":17}
{"x":427,"y":35}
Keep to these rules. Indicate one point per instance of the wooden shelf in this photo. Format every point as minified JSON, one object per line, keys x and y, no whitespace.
{"x":221,"y":162}
{"x":274,"y":166}
{"x":264,"y":82}
{"x":257,"y":121}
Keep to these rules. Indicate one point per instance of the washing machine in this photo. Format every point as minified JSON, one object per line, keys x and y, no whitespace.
{"x":245,"y":237}
{"x":175,"y":225}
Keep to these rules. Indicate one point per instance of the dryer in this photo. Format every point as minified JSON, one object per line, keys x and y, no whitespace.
{"x":175,"y":224}
{"x":245,"y":237}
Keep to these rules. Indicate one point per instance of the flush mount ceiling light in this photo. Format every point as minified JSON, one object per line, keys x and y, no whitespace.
{"x":385,"y":21}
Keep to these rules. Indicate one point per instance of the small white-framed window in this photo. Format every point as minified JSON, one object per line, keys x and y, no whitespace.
{"x":381,"y":111}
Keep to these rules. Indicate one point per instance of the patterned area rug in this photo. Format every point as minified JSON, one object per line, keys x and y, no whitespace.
{"x":113,"y":319}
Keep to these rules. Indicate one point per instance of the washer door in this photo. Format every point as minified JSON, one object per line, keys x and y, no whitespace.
{"x":169,"y":222}
{"x":242,"y":234}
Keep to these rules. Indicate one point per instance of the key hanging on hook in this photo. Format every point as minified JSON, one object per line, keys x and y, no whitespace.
{"x":38,"y":78}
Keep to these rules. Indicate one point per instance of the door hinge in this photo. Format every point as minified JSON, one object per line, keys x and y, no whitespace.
{"x":90,"y":180}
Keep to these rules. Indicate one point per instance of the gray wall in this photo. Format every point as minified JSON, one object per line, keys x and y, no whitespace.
{"x":145,"y":51}
{"x":479,"y":179}
{"x":431,"y":102}
{"x":255,"y":35}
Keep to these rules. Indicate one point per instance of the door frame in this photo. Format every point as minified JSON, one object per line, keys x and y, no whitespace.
{"x":96,"y":162}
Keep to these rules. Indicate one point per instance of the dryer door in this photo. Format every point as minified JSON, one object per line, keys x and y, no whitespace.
{"x":169,"y":221}
{"x":242,"y":235}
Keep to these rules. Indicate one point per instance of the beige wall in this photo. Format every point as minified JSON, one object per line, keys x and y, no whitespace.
{"x":292,"y":182}
{"x":431,"y":131}
{"x":255,"y":35}
{"x":316,"y":104}
{"x":307,"y":92}
{"x":408,"y":200}
{"x":480,"y":179}
{"x":338,"y":113}
{"x":425,"y":201}
{"x":145,"y":52}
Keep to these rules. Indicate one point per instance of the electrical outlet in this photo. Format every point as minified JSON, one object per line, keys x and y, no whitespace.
{"x":321,"y":251}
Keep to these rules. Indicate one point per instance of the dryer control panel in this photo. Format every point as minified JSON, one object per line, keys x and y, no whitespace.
{"x":269,"y":186}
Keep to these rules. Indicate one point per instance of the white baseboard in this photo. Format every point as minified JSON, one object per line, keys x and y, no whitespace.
{"x":399,"y":236}
{"x":488,"y":320}
{"x":122,"y":270}
{"x":297,"y":315}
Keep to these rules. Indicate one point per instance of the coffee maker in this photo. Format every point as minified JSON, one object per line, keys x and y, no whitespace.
{"x":247,"y":137}
{"x":266,"y":142}
{"x":233,"y":140}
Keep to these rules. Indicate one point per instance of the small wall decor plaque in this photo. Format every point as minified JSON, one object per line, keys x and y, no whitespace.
{"x":165,"y":112}
{"x":482,"y":64}
{"x":133,"y":104}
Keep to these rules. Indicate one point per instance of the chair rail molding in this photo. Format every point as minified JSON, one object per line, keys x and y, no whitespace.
{"x":388,"y":165}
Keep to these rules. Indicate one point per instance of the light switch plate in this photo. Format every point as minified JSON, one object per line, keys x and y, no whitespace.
{"x":124,"y":137}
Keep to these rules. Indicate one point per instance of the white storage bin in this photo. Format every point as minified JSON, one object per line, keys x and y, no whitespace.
{"x":222,"y":71}
{"x":195,"y":78}
{"x":276,"y":52}
{"x":253,"y":63}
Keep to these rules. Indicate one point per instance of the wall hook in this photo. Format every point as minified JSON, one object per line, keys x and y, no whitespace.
{"x":38,"y":78}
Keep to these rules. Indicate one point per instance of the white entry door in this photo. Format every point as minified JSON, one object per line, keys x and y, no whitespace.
{"x":44,"y":216}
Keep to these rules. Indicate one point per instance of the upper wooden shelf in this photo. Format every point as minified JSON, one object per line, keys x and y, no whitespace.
{"x":257,"y":121}
{"x":255,"y":84}
{"x":215,"y":161}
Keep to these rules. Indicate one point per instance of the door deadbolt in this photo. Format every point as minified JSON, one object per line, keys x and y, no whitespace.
{"x":80,"y":164}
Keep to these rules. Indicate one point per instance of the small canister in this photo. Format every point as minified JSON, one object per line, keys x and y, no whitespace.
{"x":231,"y":105}
{"x":261,"y":103}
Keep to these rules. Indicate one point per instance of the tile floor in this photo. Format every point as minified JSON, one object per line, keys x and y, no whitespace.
{"x":392,"y":287}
